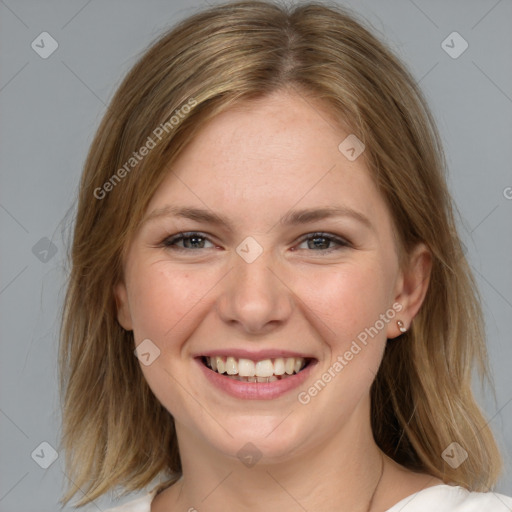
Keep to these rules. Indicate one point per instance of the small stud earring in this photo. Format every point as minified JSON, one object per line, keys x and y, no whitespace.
{"x":401,"y":326}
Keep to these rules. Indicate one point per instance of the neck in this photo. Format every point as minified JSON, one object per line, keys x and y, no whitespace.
{"x":341,"y":473}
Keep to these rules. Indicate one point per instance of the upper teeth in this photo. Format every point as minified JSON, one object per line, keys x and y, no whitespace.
{"x":249,"y":368}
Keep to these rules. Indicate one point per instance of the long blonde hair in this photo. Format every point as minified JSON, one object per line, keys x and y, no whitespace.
{"x":115,"y":431}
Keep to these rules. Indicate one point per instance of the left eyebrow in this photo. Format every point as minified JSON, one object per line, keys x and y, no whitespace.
{"x":297,"y":217}
{"x":292,"y":218}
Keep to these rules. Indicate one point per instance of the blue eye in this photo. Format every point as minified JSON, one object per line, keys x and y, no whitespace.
{"x":190,"y":241}
{"x":318,"y":242}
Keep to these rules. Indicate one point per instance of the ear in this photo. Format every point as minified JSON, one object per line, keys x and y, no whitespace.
{"x":123,"y":306}
{"x":411,"y":288}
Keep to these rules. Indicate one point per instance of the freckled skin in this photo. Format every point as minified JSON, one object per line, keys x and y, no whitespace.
{"x":254,"y":165}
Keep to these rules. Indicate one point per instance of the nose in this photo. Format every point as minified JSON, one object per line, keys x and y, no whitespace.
{"x":255,"y":297}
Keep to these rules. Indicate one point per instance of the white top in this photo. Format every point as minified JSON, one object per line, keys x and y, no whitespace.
{"x":439,"y":498}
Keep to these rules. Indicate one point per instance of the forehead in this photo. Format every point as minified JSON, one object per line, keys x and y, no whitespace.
{"x":266,"y":156}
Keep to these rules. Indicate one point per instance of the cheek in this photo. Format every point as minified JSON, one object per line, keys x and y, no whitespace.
{"x":346,"y":300}
{"x":164,"y":303}
{"x":161,"y":299}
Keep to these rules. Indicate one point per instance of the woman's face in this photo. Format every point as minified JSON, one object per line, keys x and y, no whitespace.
{"x":275,"y":287}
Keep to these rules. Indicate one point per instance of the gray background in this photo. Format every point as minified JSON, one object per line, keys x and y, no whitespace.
{"x":50,"y":108}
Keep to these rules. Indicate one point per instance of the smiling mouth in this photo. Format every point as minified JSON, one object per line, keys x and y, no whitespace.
{"x":247,"y":370}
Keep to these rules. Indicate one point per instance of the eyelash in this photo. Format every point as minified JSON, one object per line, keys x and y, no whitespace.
{"x":170,"y":242}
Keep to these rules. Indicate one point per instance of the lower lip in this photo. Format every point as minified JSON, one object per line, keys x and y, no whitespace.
{"x":256,"y":390}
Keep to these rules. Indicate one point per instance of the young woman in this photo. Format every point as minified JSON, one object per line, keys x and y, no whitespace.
{"x":268,"y":304}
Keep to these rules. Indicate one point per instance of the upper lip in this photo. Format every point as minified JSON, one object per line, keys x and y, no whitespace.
{"x":254,"y":355}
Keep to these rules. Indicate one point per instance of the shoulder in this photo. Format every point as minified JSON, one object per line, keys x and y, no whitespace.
{"x":140,"y":504}
{"x":448,"y":498}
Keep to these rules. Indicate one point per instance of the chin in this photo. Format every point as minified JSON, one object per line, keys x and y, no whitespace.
{"x":268,"y":439}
